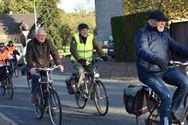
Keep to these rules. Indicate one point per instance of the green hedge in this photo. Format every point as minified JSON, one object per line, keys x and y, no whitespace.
{"x":123,"y":31}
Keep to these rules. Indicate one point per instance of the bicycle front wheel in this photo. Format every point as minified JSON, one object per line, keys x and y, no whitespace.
{"x":10,"y":89}
{"x":54,"y":107}
{"x":29,"y":80}
{"x":39,"y":105}
{"x":101,"y":98}
{"x":80,"y":101}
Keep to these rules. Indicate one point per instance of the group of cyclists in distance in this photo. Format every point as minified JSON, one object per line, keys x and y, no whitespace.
{"x":152,"y":45}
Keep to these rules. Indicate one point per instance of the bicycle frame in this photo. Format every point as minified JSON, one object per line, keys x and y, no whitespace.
{"x":183,"y":118}
{"x":92,"y":77}
{"x":49,"y":100}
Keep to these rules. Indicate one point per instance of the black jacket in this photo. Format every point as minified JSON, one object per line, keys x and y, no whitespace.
{"x":150,"y":45}
{"x":38,"y":54}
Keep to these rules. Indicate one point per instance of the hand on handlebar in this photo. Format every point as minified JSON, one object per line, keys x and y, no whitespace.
{"x":61,"y":68}
{"x":162,"y":64}
{"x":105,"y":58}
{"x":33,"y":71}
{"x":82,"y":62}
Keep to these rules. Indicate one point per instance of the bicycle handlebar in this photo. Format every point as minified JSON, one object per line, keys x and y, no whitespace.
{"x":48,"y":69}
{"x":97,"y":60}
{"x":171,"y":62}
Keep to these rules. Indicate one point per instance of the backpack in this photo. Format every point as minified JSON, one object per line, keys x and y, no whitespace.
{"x":135,"y":99}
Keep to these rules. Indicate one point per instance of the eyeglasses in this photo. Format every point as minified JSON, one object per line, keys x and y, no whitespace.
{"x":41,"y":35}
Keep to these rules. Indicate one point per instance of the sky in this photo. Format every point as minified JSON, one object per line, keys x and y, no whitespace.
{"x":71,"y":5}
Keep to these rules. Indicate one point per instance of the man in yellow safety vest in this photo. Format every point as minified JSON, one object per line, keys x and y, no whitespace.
{"x":82,"y":46}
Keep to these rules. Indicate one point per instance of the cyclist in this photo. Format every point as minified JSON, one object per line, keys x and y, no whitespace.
{"x":12,"y":48}
{"x":153,"y":47}
{"x":82,"y":45}
{"x":38,"y":54}
{"x":4,"y":56}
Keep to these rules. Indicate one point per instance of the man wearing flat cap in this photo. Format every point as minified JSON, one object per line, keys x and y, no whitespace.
{"x":153,"y":48}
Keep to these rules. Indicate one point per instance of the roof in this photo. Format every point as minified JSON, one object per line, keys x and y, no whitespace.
{"x":9,"y":23}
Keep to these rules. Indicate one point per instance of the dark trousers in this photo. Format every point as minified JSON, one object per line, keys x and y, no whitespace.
{"x":3,"y":71}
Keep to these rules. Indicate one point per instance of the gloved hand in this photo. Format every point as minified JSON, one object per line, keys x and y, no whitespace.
{"x":163,"y":65}
{"x":104,"y":58}
{"x":15,"y":52}
{"x":82,"y":62}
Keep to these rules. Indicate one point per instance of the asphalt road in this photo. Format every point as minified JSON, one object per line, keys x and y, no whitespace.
{"x":19,"y":110}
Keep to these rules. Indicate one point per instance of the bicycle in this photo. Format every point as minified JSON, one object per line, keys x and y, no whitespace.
{"x":14,"y":66}
{"x":154,"y":104}
{"x":29,"y":80}
{"x":94,"y":89}
{"x":6,"y":83}
{"x":48,"y":98}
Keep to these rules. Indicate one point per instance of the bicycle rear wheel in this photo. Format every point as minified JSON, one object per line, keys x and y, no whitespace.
{"x":54,"y":107}
{"x":39,"y":105}
{"x":101,"y":98}
{"x":80,"y":101}
{"x":10,"y":89}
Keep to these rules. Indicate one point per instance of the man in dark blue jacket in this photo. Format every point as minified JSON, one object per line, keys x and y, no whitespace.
{"x":153,"y":49}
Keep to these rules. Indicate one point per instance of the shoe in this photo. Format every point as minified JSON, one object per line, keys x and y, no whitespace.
{"x":175,"y":118}
{"x":34,"y":99}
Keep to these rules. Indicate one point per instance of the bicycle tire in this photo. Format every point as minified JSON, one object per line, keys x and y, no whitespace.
{"x":29,"y":81}
{"x":10,"y":88}
{"x":3,"y":90}
{"x":39,"y":105}
{"x":101,"y":98}
{"x":80,"y":101}
{"x":16,"y":71}
{"x":54,"y":107}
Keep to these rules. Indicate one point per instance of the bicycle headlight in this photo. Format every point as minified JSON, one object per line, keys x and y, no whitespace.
{"x":97,"y":75}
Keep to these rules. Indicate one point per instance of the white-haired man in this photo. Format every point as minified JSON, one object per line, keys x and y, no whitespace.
{"x":38,"y":54}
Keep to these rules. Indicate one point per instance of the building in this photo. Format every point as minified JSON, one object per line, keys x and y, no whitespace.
{"x":16,"y":26}
{"x":105,"y":9}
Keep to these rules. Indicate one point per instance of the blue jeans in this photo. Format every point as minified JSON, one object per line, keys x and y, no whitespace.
{"x":35,"y":80}
{"x":168,"y":104}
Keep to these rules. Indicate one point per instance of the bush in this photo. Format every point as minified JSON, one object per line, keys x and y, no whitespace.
{"x":123,"y":31}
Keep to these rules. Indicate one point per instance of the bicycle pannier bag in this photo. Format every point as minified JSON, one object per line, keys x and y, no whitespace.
{"x":135,"y":99}
{"x":71,"y":84}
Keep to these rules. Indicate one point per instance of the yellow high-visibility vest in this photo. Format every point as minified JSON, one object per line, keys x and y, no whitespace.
{"x":85,"y":51}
